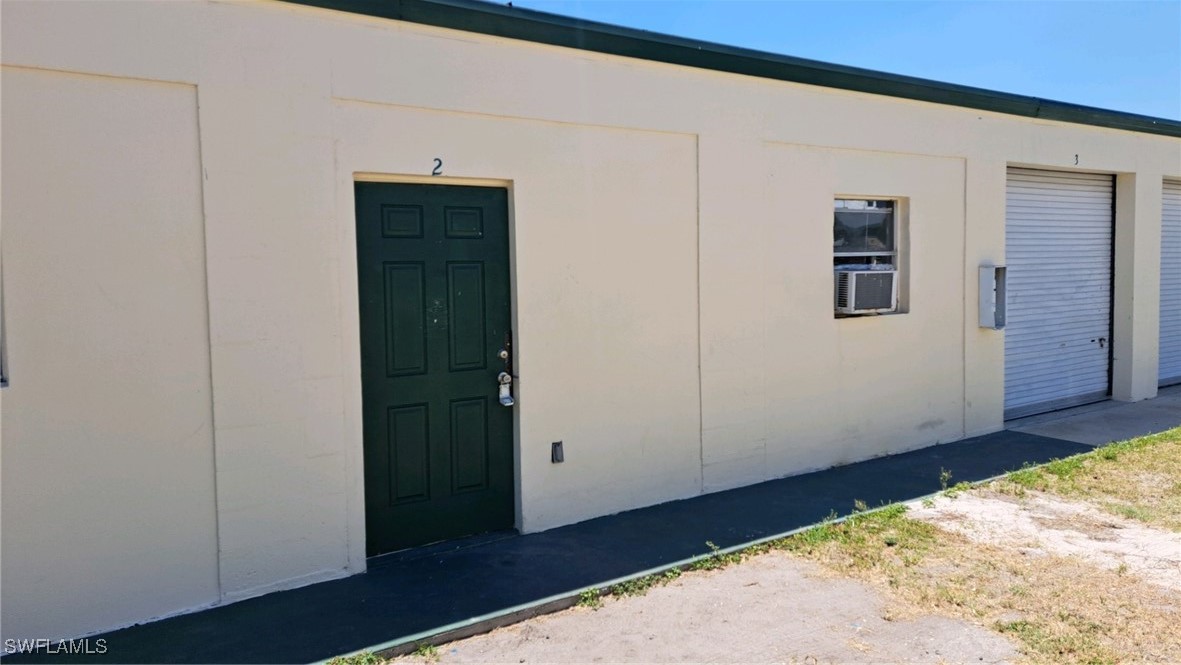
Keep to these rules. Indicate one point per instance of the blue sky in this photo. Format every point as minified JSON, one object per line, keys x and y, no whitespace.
{"x":1124,"y":56}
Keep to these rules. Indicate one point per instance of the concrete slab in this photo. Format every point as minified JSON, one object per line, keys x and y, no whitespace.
{"x":774,"y":608}
{"x":1098,"y":424}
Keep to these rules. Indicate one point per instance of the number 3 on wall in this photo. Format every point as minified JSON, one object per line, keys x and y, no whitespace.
{"x":438,"y":170}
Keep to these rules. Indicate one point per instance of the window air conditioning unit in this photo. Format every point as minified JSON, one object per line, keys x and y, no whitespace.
{"x":866,"y":291}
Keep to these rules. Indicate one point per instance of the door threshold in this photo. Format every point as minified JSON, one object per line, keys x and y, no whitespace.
{"x":440,"y":547}
{"x":1067,"y":412}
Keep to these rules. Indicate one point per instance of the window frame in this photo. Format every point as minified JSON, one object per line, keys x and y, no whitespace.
{"x":895,"y":230}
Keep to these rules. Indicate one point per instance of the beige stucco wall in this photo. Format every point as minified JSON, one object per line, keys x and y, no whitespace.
{"x":672,"y":288}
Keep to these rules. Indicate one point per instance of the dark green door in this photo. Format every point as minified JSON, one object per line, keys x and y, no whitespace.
{"x":434,"y":295}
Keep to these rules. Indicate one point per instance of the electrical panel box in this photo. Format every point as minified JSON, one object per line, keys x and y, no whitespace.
{"x":992,"y":297}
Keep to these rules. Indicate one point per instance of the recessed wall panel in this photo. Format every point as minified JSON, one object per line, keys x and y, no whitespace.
{"x":109,"y":508}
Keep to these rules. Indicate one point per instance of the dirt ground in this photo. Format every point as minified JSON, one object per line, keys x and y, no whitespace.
{"x":985,"y":574}
{"x":1041,"y":524}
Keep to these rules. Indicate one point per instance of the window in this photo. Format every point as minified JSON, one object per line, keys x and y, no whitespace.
{"x":865,"y":256}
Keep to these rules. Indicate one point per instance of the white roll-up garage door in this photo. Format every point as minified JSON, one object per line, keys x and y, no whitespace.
{"x":1058,"y":243}
{"x":1170,"y":285}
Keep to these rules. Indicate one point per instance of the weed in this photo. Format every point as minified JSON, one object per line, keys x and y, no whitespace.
{"x":944,"y":478}
{"x":641,"y":585}
{"x":928,"y":502}
{"x":590,"y":598}
{"x":716,"y":558}
{"x":636,"y":587}
{"x":859,"y":506}
{"x":363,"y":658}
{"x":427,"y":652}
{"x":756,"y":550}
{"x":956,"y":490}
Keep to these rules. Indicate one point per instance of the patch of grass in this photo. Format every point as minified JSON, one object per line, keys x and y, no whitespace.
{"x":1128,"y":511}
{"x":810,"y":539}
{"x":427,"y":652}
{"x":363,"y":658}
{"x":1063,"y":646}
{"x":636,"y":587}
{"x":1026,"y":478}
{"x":1138,"y":479}
{"x":1064,"y":469}
{"x":642,"y":585}
{"x":1037,"y":600}
{"x":716,"y":559}
{"x":866,"y":541}
{"x":956,"y":490}
{"x":591,"y":598}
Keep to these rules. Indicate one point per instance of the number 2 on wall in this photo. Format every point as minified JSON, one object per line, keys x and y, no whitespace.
{"x":438,"y":170}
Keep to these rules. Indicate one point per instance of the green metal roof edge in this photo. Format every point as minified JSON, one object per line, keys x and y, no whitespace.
{"x":529,"y":25}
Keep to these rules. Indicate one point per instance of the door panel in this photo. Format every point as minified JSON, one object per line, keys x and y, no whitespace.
{"x":433,"y":277}
{"x":1058,"y":248}
{"x":405,"y":316}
